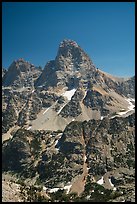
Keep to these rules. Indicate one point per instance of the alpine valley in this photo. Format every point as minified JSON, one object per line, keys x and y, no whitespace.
{"x":68,"y":131}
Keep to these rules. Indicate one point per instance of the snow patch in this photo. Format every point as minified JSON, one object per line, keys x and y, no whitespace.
{"x":101,"y":117}
{"x":88,"y":196}
{"x":67,"y":188}
{"x":29,"y":128}
{"x":56,"y":189}
{"x":88,"y":168}
{"x":85,"y":95}
{"x":130,"y":107}
{"x":56,"y":142}
{"x":100,"y":181}
{"x":132,"y":99}
{"x":85,"y":158}
{"x":61,"y":108}
{"x":59,"y":135}
{"x":53,"y":190}
{"x":46,"y":110}
{"x":122,"y":112}
{"x":45,"y":188}
{"x":114,"y":188}
{"x":113,"y":116}
{"x":111,"y":183}
{"x":69,"y":94}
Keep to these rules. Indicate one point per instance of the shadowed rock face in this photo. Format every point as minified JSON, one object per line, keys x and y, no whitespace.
{"x":48,"y":76}
{"x":12,"y":74}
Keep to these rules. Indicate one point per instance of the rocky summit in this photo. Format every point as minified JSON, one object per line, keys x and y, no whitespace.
{"x":70,"y":65}
{"x":21,"y":73}
{"x":68,"y":131}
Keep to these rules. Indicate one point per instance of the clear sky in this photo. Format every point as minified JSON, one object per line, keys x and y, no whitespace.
{"x":106,"y":31}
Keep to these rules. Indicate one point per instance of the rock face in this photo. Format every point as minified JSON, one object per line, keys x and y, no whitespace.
{"x":70,"y":124}
{"x":71,"y":63}
{"x":128,"y":88}
{"x":77,"y":59}
{"x":97,"y":94}
{"x":106,"y":147}
{"x":72,"y":67}
{"x":21,"y":73}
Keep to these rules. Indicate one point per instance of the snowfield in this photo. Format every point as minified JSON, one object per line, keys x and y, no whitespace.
{"x":69,"y":94}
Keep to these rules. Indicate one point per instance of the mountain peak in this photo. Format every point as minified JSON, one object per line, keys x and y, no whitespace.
{"x":71,"y":56}
{"x":68,"y":42}
{"x":20,"y":72}
{"x":71,"y":62}
{"x":68,"y":47}
{"x":20,"y":60}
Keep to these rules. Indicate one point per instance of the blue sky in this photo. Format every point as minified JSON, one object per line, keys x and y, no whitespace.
{"x":106,"y":31}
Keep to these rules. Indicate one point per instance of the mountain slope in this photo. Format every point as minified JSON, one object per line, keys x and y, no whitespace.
{"x":102,"y":148}
{"x":68,"y":130}
{"x":46,"y":101}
